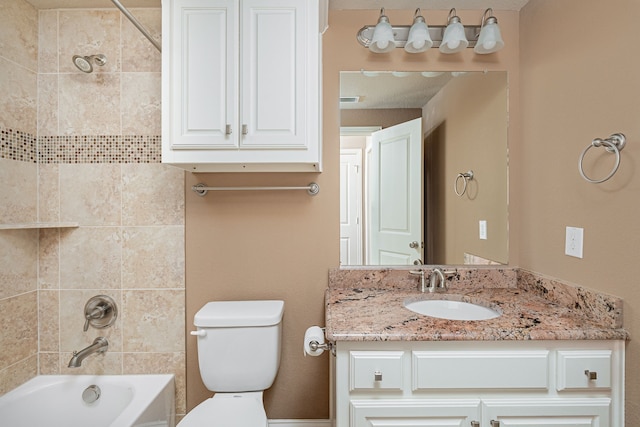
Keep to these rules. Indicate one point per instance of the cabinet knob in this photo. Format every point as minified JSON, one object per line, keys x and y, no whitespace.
{"x":475,"y":423}
{"x":591,"y":375}
{"x":228,"y":130}
{"x":377,"y":376}
{"x":494,"y":423}
{"x":245,"y":129}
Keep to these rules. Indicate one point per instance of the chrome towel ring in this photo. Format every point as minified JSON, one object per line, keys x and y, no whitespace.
{"x":614,"y":144}
{"x":466,"y":177}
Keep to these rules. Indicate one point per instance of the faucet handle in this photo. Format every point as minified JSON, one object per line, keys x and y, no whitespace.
{"x":100,"y":312}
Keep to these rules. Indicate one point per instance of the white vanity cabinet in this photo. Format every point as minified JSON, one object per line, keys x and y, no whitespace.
{"x":241,"y":85}
{"x":479,"y":383}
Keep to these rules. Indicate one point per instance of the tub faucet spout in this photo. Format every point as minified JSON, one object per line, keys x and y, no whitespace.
{"x":100,"y":345}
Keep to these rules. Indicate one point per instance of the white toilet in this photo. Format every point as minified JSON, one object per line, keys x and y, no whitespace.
{"x":238,"y":356}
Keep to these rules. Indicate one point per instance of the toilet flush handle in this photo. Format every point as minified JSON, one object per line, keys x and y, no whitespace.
{"x":199,"y":333}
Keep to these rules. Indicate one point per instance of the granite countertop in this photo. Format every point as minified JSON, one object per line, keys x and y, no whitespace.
{"x":374,"y":312}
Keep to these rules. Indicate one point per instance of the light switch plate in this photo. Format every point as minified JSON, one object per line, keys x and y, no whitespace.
{"x":483,"y":229}
{"x":574,"y":242}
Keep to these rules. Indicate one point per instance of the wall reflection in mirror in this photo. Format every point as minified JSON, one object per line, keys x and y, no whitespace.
{"x":405,"y":138}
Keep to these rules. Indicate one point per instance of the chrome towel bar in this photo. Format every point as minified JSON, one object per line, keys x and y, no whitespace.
{"x":202,"y":189}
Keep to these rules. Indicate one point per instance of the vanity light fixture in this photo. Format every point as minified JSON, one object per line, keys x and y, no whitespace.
{"x":418,"y":39}
{"x":454,"y":39}
{"x":383,"y":39}
{"x":490,"y":39}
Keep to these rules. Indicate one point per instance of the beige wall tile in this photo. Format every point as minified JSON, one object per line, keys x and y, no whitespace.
{"x":90,"y":194}
{"x":89,"y":32}
{"x":138,"y":54}
{"x":152,"y":194}
{"x":90,"y":258}
{"x":19,"y":187}
{"x":19,"y":320}
{"x":89,"y":104}
{"x":49,"y":258}
{"x":153,"y":321}
{"x":18,"y":262}
{"x":18,"y":87}
{"x":72,"y":336}
{"x":48,"y":193}
{"x":141,"y":104}
{"x":48,"y":41}
{"x":47,"y":104}
{"x":153,"y":257}
{"x":49,"y":363}
{"x":160,"y":363}
{"x":18,"y":374}
{"x":19,"y":33}
{"x":48,"y":320}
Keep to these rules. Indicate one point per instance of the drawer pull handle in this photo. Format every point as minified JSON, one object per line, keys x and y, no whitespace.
{"x":494,"y":423}
{"x":591,"y":375}
{"x":377,"y":376}
{"x":475,"y":423}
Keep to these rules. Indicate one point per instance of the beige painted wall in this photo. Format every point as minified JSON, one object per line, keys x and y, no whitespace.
{"x":280,"y":245}
{"x":579,"y":68}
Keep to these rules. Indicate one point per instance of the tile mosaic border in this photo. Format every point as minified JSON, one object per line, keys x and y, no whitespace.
{"x":17,"y":145}
{"x":24,"y":147}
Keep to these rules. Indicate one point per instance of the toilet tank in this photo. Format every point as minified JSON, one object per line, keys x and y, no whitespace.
{"x":239,"y":344}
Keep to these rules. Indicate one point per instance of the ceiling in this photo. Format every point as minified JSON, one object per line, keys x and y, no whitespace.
{"x":333,"y":4}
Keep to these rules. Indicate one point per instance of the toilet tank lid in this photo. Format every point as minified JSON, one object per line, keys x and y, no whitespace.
{"x":239,"y":313}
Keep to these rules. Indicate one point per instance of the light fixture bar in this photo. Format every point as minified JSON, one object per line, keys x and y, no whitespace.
{"x":401,"y":33}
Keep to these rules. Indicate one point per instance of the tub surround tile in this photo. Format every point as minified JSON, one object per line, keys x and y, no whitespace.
{"x":138,"y":54}
{"x":140,"y":112}
{"x":49,"y":363}
{"x":153,"y":321}
{"x":49,"y":193}
{"x":18,"y":262}
{"x":48,"y":320}
{"x":152,"y":194}
{"x":48,"y":104}
{"x":19,"y":88}
{"x":19,"y":337}
{"x":90,"y":258}
{"x":19,"y":33}
{"x":358,"y":311}
{"x":48,"y":41}
{"x":18,"y":374}
{"x":19,"y":186}
{"x":153,"y":257}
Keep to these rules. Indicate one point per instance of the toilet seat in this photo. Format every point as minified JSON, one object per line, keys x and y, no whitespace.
{"x":227,"y":410}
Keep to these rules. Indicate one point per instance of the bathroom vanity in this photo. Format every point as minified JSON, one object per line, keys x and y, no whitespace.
{"x":554,"y":356}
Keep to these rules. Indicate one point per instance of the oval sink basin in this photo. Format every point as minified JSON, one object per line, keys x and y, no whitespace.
{"x":452,"y":310}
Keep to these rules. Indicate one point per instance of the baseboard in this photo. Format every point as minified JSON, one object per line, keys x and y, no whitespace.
{"x":300,"y":423}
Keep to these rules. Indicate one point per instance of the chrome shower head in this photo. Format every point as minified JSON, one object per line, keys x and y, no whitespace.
{"x":83,"y":63}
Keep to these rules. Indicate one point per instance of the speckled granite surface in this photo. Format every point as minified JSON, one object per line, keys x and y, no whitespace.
{"x":364,"y":304}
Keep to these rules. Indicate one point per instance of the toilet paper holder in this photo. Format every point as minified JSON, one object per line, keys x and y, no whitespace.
{"x":315,"y":345}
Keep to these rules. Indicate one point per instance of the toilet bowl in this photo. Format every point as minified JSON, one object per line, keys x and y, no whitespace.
{"x":238,"y":357}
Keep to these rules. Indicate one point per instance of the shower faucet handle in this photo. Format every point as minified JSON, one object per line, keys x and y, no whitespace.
{"x":100,"y":312}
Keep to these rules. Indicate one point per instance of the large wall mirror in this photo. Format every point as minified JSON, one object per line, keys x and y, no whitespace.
{"x":409,"y":143}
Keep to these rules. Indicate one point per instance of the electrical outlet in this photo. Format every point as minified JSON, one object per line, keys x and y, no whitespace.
{"x":574,"y":242}
{"x":483,"y":230}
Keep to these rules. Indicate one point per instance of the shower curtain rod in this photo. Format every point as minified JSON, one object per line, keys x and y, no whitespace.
{"x":137,"y":24}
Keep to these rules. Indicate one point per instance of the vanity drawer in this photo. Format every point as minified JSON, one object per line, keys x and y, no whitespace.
{"x":376,"y":370}
{"x":584,"y":369}
{"x":480,"y":370}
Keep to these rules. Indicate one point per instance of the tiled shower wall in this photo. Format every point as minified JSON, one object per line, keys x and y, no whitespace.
{"x":97,"y":164}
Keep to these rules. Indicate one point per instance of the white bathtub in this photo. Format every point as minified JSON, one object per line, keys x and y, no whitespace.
{"x":125,"y":401}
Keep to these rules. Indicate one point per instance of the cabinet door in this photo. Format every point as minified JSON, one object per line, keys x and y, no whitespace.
{"x":414,"y":413}
{"x":546,"y":413}
{"x":203,"y":68}
{"x":277,"y":65}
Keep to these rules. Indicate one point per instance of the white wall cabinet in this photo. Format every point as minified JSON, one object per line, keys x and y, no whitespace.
{"x":241,"y":85}
{"x":480,"y":384}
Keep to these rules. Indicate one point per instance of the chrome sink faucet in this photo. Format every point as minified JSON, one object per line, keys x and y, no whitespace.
{"x":436,"y":281}
{"x":100,"y":345}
